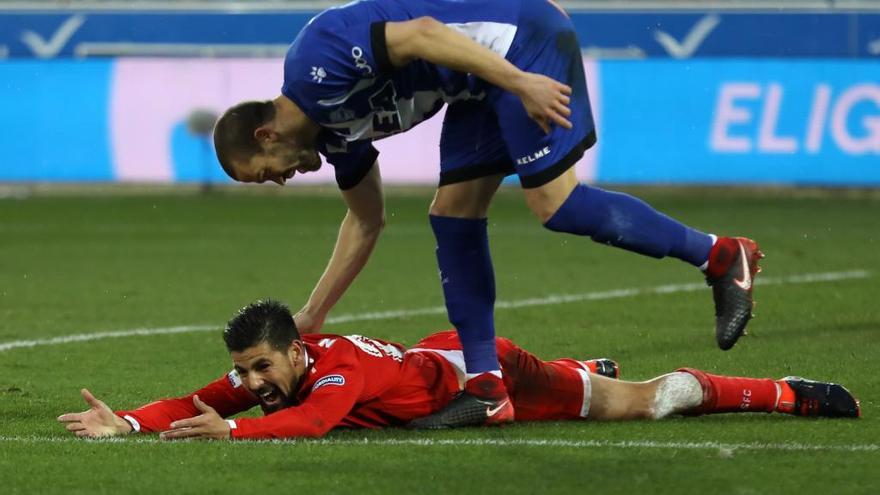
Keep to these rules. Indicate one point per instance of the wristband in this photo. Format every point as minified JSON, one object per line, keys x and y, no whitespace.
{"x":135,"y":426}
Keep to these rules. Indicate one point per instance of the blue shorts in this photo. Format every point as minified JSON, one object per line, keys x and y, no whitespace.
{"x":496,"y":135}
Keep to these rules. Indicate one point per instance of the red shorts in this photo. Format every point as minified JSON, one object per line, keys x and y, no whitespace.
{"x":540,"y":390}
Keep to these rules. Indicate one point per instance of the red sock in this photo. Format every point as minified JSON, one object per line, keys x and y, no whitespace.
{"x":721,"y":256}
{"x":735,"y":394}
{"x":487,"y":386}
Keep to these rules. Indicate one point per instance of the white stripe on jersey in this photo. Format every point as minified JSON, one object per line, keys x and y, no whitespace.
{"x":361,"y":85}
{"x":495,"y":36}
{"x":410,"y":111}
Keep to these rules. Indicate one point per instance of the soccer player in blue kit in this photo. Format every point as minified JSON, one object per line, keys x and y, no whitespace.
{"x":512,"y":77}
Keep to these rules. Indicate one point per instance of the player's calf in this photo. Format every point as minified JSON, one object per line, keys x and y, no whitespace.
{"x":790,"y":395}
{"x":629,"y":223}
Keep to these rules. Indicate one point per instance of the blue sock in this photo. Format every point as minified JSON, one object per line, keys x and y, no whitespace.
{"x":626,"y":222}
{"x":468,"y":281}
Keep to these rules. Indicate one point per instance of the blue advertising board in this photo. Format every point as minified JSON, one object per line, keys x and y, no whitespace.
{"x":685,"y":35}
{"x":700,"y":121}
{"x":55,"y":121}
{"x":740,"y":121}
{"x":602,"y":34}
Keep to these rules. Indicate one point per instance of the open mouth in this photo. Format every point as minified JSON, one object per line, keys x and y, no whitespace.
{"x":270,"y":397}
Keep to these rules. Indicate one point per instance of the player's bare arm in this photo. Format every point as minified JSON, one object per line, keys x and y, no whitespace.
{"x":98,"y":421}
{"x":545,"y":99}
{"x":358,"y":233}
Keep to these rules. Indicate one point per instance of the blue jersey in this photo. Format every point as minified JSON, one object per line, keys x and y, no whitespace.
{"x":338,"y":72}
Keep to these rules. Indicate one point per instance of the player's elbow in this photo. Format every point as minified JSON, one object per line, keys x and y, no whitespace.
{"x":427,"y":26}
{"x":371,"y":225}
{"x":429,"y":32}
{"x":374,"y":227}
{"x":412,"y":39}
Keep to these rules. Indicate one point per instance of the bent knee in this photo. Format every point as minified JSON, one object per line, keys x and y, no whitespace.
{"x":469,"y":199}
{"x":545,"y":201}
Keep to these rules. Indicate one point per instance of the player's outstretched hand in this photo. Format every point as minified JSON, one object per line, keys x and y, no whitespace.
{"x":206,"y":426}
{"x":546,"y":100}
{"x":97,"y":421}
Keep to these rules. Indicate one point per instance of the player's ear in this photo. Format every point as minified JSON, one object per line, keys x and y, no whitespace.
{"x":295,"y":352}
{"x":264,"y":134}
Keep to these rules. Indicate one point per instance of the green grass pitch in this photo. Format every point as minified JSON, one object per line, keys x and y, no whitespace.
{"x":82,"y":263}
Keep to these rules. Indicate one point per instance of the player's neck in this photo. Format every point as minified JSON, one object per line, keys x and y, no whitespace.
{"x":293,"y":123}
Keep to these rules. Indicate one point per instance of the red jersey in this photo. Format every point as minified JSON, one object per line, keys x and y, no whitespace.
{"x":356,"y":381}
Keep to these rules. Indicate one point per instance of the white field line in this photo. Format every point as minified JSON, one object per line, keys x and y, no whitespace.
{"x":482,"y":442}
{"x":405,"y":313}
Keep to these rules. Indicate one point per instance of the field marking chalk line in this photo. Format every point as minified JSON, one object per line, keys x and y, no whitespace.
{"x":405,"y":313}
{"x":485,"y":442}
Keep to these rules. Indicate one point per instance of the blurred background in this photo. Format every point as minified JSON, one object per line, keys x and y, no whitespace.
{"x":684,"y":92}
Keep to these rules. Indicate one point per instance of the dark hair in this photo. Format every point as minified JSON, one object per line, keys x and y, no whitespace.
{"x":234,"y":133}
{"x":265,"y":320}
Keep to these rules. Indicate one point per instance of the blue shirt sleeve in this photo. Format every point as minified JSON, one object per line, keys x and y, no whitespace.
{"x":322,"y":69}
{"x":328,"y":59}
{"x":351,"y":161}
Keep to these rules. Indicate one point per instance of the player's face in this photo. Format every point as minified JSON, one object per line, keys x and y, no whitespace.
{"x":278,"y":163}
{"x":273,"y":376}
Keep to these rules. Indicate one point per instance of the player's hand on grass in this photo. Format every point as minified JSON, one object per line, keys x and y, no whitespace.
{"x":98,"y":421}
{"x":546,"y":100}
{"x":206,"y":426}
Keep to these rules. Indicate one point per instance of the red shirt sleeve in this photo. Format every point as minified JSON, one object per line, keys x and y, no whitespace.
{"x":334,"y":387}
{"x":226,"y":395}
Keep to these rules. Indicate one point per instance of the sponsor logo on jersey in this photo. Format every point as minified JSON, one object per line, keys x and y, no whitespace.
{"x":375,"y":348}
{"x":234,"y":379}
{"x":338,"y":380}
{"x":318,"y":74}
{"x":360,"y":63}
{"x":525,"y":160}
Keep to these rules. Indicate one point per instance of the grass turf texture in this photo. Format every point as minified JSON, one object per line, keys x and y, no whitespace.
{"x":74,"y":263}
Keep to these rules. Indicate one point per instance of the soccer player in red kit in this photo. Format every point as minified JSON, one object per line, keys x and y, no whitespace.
{"x":307,"y":385}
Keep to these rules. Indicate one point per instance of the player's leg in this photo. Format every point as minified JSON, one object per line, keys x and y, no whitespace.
{"x":627,"y":222}
{"x":473,"y":163}
{"x":790,"y":395}
{"x":614,"y":218}
{"x":458,"y":219}
{"x":544,"y":164}
{"x":692,"y":392}
{"x":567,"y":389}
{"x":563,"y":389}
